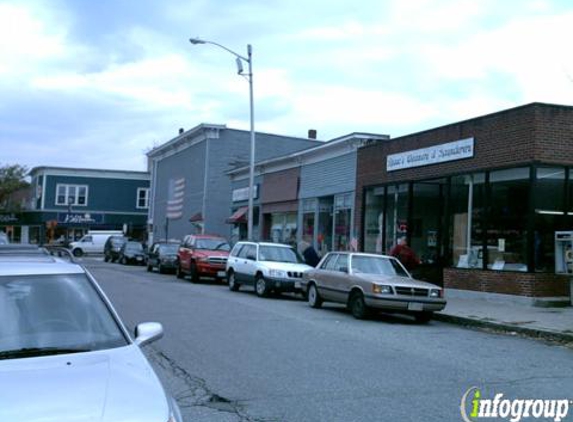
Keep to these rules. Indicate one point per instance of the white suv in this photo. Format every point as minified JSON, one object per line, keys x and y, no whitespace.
{"x":266,"y":266}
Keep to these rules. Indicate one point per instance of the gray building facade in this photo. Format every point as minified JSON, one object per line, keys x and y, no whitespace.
{"x":190,"y":190}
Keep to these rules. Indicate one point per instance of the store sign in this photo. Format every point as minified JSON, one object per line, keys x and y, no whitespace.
{"x":242,"y":194}
{"x":80,"y":218}
{"x":452,"y":151}
{"x":8,"y":218}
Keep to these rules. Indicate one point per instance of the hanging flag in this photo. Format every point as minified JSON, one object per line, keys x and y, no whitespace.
{"x":176,"y":193}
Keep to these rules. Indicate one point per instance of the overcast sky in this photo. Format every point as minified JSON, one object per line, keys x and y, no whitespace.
{"x":98,"y":83}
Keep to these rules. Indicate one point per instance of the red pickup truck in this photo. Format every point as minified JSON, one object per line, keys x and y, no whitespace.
{"x":202,"y":256}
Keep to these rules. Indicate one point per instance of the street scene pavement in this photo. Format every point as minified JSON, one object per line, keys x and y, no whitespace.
{"x":232,"y":356}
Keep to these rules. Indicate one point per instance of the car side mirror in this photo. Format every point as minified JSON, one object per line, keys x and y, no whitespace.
{"x":344,"y":269}
{"x":148,"y":332}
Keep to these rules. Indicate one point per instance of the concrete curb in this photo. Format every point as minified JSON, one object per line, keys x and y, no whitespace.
{"x":507,"y":328}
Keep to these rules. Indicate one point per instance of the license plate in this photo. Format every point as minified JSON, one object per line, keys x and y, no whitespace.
{"x":415,"y":306}
{"x":297,"y":285}
{"x":221,"y":274}
{"x":139,"y":258}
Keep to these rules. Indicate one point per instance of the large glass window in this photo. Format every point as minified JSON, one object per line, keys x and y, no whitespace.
{"x":374,"y":220}
{"x":324,"y":237}
{"x":71,"y":195}
{"x":427,"y":224}
{"x":507,"y":231}
{"x":466,"y":220}
{"x":308,"y":220}
{"x":396,"y":214}
{"x":342,"y":221}
{"x":549,"y":215}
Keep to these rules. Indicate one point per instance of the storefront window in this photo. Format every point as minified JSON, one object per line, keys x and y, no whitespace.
{"x":324,"y":236}
{"x":283,"y":228}
{"x":466,"y":220}
{"x":549,"y":216}
{"x":342,"y":221}
{"x":396,"y":214}
{"x":507,"y":231}
{"x":374,"y":220}
{"x":308,"y":220}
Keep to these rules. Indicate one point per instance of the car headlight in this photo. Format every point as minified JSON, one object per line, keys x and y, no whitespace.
{"x":435,"y":293}
{"x":278,"y":273}
{"x":382,"y":289}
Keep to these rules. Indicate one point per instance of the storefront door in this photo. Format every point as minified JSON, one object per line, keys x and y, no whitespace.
{"x":427,"y":224}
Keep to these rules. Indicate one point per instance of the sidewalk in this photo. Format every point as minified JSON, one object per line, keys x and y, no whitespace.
{"x":547,"y":323}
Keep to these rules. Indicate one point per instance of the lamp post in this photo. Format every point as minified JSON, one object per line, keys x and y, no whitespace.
{"x":249,"y":76}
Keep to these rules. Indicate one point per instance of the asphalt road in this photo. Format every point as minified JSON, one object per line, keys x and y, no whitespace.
{"x":232,"y":356}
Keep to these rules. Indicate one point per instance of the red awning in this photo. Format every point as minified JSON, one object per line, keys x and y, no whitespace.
{"x":238,"y":216}
{"x":196,"y":217}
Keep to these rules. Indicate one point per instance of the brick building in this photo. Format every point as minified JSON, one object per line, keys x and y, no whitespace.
{"x":479,"y":200}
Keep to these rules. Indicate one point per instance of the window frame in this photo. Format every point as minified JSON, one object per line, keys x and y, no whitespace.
{"x":67,"y":187}
{"x":145,"y":199}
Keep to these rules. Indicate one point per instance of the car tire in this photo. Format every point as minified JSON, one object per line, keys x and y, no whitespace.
{"x":106,"y":258}
{"x":161,"y":269}
{"x":77,"y":252}
{"x":232,"y":281}
{"x":194,"y":273}
{"x":314,"y":299}
{"x":423,"y":317}
{"x":178,"y":273}
{"x":261,"y":287}
{"x":123,"y":260}
{"x":358,"y":305}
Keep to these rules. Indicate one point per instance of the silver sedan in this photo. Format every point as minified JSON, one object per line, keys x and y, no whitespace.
{"x":65,"y":355}
{"x":367,"y":281}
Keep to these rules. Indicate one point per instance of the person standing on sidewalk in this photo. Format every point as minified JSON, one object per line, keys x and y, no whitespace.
{"x":405,"y":254}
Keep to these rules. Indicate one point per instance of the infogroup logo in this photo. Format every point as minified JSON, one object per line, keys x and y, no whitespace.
{"x":474,"y":407}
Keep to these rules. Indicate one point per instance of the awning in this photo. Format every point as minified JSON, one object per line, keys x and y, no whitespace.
{"x":195,"y":218}
{"x":238,"y":216}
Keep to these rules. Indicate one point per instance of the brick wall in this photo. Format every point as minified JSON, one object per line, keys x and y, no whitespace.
{"x":511,"y":283}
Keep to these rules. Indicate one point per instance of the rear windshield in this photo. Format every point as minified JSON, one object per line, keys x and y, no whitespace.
{"x":169,"y":249}
{"x":134,"y":246}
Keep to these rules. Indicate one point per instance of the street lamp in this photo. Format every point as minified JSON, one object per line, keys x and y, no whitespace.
{"x":249,"y":76}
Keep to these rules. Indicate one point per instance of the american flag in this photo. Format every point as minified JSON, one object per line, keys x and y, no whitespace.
{"x":175,"y":198}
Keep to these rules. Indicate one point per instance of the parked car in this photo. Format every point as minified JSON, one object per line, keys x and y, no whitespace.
{"x":112,"y":247}
{"x":64,"y":352}
{"x":202,"y":256}
{"x":132,"y":252}
{"x":366,"y":281}
{"x":268,"y":267}
{"x":163,"y":256}
{"x":93,"y":242}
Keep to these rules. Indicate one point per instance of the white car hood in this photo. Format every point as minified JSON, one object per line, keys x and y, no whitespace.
{"x":286,"y":266}
{"x":111,"y":385}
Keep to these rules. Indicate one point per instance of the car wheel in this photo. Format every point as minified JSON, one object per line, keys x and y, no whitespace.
{"x":423,"y":317}
{"x":358,"y":306}
{"x":123,"y":260}
{"x":314,"y":299}
{"x":194,"y":273}
{"x":106,"y":258}
{"x":261,"y":288}
{"x":161,"y":269}
{"x":178,"y":272}
{"x":149,"y":268}
{"x":233,"y":285}
{"x":78,"y":252}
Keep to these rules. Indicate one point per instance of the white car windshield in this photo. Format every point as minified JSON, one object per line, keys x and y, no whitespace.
{"x":51,"y":314}
{"x":377,"y":265}
{"x":279,"y":254}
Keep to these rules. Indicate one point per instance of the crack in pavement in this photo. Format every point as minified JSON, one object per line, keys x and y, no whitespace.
{"x":197,"y":393}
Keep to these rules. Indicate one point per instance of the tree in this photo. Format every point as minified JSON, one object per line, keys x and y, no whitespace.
{"x":12,"y":180}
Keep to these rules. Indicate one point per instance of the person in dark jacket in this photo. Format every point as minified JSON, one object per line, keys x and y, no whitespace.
{"x":309,"y":253}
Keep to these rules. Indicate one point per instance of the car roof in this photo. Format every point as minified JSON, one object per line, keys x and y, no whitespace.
{"x":373,"y":255}
{"x":18,"y":259}
{"x":207,"y":236}
{"x":248,"y":242}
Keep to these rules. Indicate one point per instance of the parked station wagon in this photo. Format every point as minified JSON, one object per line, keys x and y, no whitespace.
{"x":367,"y":281}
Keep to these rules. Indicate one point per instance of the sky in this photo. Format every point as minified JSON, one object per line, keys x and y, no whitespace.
{"x":97,"y":84}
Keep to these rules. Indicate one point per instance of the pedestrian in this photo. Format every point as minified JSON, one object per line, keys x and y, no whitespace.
{"x":309,"y":253}
{"x":405,"y":254}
